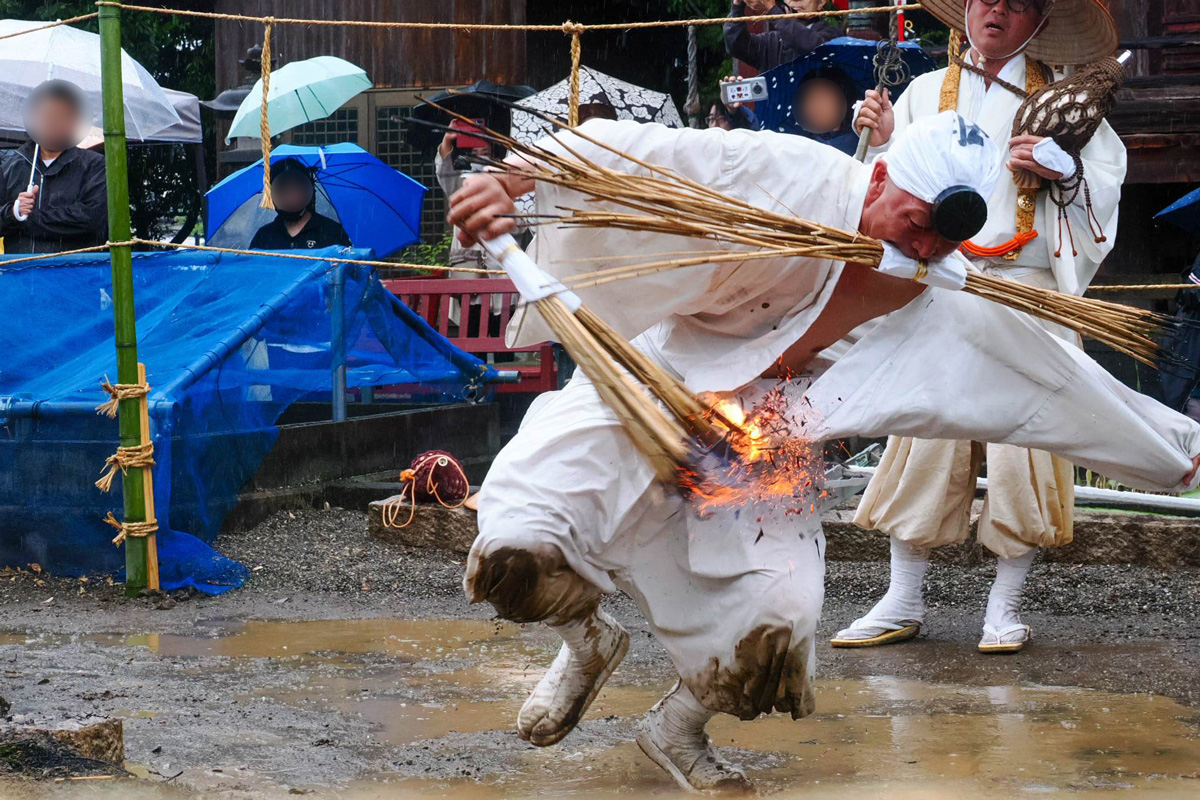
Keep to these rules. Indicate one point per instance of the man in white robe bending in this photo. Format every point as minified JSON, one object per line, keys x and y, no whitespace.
{"x":922,"y":492}
{"x":570,"y":511}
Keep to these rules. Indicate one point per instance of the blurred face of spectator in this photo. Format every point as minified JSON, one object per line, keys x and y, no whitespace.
{"x":821,"y":107}
{"x":717,"y":119}
{"x":891,"y":214}
{"x":999,"y":28}
{"x":292,"y":193}
{"x":800,"y":6}
{"x":55,"y":122}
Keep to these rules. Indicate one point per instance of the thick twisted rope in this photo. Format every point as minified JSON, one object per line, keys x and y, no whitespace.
{"x":692,"y":106}
{"x":482,"y":26}
{"x":264,"y":123}
{"x":125,"y":459}
{"x":332,"y":260}
{"x":131,"y":530}
{"x":574,"y":29}
{"x":1141,"y":287}
{"x":72,"y":20}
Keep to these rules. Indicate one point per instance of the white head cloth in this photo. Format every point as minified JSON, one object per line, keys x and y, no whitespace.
{"x":935,"y":153}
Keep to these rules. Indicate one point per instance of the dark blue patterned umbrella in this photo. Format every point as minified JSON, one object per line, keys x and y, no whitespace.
{"x":847,"y":61}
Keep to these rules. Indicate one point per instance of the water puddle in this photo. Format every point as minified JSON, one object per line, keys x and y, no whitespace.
{"x":436,"y":688}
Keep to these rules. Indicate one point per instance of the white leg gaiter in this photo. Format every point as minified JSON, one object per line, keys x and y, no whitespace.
{"x":672,"y":735}
{"x":1004,"y":601}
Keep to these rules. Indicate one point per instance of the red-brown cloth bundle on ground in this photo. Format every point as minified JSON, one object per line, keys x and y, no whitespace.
{"x":437,"y":477}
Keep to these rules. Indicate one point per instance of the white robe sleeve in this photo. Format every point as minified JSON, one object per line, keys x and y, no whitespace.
{"x":953,"y":366}
{"x":1104,"y":161}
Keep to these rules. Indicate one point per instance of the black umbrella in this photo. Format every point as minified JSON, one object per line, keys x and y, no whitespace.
{"x":474,"y":101}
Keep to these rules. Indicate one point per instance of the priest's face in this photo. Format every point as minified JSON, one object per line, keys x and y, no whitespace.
{"x":999,"y":28}
{"x":891,"y":214}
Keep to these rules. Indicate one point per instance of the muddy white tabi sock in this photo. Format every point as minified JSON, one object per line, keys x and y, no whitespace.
{"x":683,"y":718}
{"x":672,"y":735}
{"x":580,"y":635}
{"x":1004,"y":601}
{"x":904,"y":599}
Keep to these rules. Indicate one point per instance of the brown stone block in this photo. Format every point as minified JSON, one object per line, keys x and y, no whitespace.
{"x":433,"y":525}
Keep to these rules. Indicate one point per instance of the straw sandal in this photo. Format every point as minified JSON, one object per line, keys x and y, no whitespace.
{"x":892,"y":633}
{"x":993,"y":639}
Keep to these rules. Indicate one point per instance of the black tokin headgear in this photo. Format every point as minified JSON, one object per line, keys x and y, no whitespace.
{"x":959,"y":213}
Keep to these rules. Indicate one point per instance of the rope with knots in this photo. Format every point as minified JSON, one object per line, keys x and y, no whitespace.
{"x":484,"y":26}
{"x":131,"y":530}
{"x":118,"y":392}
{"x":126,"y":458}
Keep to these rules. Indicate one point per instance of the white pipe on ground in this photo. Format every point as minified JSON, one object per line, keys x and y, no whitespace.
{"x":1091,"y":496}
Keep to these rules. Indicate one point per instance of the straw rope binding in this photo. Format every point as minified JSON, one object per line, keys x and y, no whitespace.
{"x":125,"y":459}
{"x":574,"y":29}
{"x":118,"y":392}
{"x":131,"y":530}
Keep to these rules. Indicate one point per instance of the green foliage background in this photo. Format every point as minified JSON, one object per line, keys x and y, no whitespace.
{"x":178,"y":51}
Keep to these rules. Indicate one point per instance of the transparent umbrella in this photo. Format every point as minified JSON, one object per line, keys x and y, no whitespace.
{"x":69,"y":54}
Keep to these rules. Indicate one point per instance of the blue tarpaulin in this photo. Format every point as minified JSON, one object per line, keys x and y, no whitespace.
{"x":229,"y":342}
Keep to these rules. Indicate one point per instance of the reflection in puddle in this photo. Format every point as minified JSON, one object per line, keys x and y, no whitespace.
{"x":417,"y":682}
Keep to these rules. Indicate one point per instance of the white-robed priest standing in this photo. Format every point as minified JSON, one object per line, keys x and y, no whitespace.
{"x":921,"y":493}
{"x":570,"y":510}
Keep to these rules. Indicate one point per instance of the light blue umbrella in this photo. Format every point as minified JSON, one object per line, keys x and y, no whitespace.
{"x":380,"y":207}
{"x":300,"y":92}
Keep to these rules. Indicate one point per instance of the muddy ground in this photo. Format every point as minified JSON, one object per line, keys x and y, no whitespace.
{"x":348,"y":668}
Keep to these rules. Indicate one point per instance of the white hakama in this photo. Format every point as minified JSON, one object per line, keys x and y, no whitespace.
{"x":736,"y":610}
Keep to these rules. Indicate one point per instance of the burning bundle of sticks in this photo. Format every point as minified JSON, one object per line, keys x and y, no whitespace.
{"x":676,"y":435}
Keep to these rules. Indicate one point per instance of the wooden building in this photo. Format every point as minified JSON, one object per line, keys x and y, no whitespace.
{"x":1158,"y":117}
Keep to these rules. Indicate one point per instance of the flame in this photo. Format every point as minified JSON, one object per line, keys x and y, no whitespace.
{"x":771,"y":460}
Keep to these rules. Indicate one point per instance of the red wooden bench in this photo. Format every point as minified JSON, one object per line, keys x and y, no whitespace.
{"x":436,"y":298}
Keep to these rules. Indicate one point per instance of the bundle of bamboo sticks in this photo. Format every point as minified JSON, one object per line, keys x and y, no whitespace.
{"x":660,"y":200}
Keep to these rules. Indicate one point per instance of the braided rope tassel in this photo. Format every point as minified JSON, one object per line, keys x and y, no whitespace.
{"x":264,"y":124}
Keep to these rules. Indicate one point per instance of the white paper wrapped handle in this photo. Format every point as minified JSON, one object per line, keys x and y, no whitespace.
{"x":949,"y":272}
{"x":533,"y":282}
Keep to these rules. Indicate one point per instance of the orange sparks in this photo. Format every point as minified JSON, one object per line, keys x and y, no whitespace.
{"x":771,"y":460}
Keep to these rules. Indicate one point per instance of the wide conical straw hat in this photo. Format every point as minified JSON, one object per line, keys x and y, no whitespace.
{"x":1079,"y":31}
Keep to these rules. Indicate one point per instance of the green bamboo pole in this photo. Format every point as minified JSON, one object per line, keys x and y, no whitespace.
{"x":117,"y":172}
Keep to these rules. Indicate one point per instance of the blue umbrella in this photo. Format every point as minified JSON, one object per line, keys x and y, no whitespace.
{"x":379,"y":207}
{"x":1184,"y":212}
{"x":847,"y":60}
